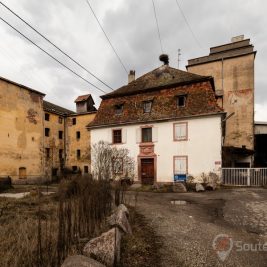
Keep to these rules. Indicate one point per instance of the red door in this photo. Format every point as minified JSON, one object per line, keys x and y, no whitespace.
{"x":147,"y":171}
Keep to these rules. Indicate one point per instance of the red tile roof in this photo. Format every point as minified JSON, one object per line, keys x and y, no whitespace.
{"x":82,"y":98}
{"x":162,"y":86}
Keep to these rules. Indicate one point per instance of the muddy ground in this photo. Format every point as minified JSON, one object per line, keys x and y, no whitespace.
{"x":187,"y":231}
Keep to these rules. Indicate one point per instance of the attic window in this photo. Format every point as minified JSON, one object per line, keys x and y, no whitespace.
{"x":181,"y":99}
{"x":118,"y":109}
{"x":147,"y":105}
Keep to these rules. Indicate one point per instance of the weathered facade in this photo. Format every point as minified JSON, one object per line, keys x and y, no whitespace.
{"x":21,"y":135}
{"x":232,"y":66}
{"x":167,"y":119}
{"x":78,"y":137}
{"x":39,"y":139}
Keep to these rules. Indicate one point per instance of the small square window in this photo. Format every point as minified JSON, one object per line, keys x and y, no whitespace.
{"x":181,"y":101}
{"x":78,"y":135}
{"x":78,"y":152}
{"x":117,"y":166}
{"x":147,"y":105}
{"x":47,"y":153}
{"x":60,"y":120}
{"x":60,"y":134}
{"x":86,"y":169}
{"x":60,"y":153}
{"x":74,"y":168}
{"x":73,"y":121}
{"x":47,"y":116}
{"x":146,"y":135}
{"x":117,"y":136}
{"x":118,"y":109}
{"x":47,"y":132}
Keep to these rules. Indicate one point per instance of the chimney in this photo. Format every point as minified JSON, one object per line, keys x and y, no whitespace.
{"x":131,"y":76}
{"x":164,"y":58}
{"x":237,"y":38}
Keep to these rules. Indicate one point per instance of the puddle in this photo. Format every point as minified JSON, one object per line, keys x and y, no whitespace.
{"x":179,"y":202}
{"x":21,"y":195}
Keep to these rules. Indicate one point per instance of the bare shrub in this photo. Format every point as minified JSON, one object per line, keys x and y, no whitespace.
{"x":83,"y":205}
{"x":111,"y":162}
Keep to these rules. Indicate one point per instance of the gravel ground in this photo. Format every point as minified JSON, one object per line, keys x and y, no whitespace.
{"x":187,"y":231}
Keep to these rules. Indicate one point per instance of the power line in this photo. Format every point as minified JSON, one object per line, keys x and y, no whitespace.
{"x":73,"y":60}
{"x":186,"y":21}
{"x":62,"y":64}
{"x":155,"y":13}
{"x":114,"y":50}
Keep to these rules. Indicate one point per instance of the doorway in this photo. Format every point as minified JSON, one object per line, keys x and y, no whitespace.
{"x":147,"y":171}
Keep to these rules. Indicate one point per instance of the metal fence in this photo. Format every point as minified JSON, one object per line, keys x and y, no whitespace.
{"x":244,"y":176}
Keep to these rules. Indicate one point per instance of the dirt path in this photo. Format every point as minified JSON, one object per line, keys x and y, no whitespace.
{"x":187,"y":231}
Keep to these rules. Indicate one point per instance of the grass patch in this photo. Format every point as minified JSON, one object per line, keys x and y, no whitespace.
{"x":142,"y":247}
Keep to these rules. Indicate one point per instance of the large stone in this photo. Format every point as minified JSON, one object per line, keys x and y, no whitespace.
{"x":81,"y":261}
{"x":179,"y":188}
{"x":120,"y":219}
{"x":105,"y":248}
{"x":211,"y":186}
{"x":123,"y":208}
{"x":199,"y":187}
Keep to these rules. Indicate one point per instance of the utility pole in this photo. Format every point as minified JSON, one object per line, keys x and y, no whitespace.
{"x":179,"y":59}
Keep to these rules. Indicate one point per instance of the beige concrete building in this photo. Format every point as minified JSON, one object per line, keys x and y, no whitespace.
{"x":232,"y":66}
{"x":21,"y":134}
{"x":39,"y":139}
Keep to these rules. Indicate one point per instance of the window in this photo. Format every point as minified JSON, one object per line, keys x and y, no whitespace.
{"x":117,"y":136}
{"x":180,"y":131}
{"x":47,"y":116}
{"x":147,"y":105}
{"x":74,"y":168}
{"x":117,"y":166}
{"x":146,"y":135}
{"x":60,"y":153}
{"x":73,"y":121}
{"x":60,"y":134}
{"x":60,"y":120}
{"x":118,"y":109}
{"x":86,"y":169}
{"x":78,"y":135}
{"x":78,"y":153}
{"x":47,"y":131}
{"x":180,"y":165}
{"x":47,"y":153}
{"x":181,"y":101}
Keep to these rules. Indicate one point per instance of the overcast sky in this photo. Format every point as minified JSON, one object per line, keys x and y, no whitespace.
{"x":131,"y":26}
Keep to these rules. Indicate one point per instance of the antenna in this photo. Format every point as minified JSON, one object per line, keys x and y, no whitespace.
{"x":179,"y":59}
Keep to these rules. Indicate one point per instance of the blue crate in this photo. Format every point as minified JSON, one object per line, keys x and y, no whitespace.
{"x":179,"y":177}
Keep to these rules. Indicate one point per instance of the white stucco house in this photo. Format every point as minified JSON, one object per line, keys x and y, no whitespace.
{"x":170,"y":122}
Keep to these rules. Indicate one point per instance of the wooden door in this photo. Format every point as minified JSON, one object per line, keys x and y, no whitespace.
{"x":22,"y":173}
{"x":147,"y":171}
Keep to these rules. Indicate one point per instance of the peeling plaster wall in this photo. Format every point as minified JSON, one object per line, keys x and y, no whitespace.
{"x":235,"y":76}
{"x":21,"y":139}
{"x":73,"y":144}
{"x":53,"y":143}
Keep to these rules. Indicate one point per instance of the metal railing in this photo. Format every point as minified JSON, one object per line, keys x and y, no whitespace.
{"x":244,"y":176}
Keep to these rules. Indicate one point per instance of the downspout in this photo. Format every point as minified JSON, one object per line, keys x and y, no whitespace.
{"x":222,"y":76}
{"x":65,"y":140}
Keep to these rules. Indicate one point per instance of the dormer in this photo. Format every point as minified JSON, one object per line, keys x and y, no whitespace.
{"x":85,"y":103}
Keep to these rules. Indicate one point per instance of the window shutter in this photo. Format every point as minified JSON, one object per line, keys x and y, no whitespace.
{"x":138,"y":135}
{"x":154,"y":134}
{"x":180,"y":131}
{"x":110,"y":136}
{"x":124,"y":135}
